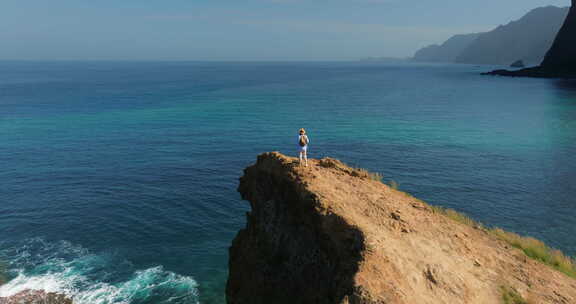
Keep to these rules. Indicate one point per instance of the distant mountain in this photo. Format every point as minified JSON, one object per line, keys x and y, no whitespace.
{"x":527,"y":39}
{"x":560,"y":61}
{"x":448,"y":51}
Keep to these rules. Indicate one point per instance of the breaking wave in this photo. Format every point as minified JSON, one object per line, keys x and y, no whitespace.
{"x":89,"y":278}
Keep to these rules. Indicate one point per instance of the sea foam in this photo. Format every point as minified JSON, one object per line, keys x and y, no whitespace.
{"x":89,"y":278}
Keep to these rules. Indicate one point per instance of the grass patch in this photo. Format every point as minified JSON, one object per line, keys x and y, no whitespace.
{"x":537,"y":250}
{"x":375,"y":176}
{"x":457,"y":216}
{"x":532,"y":247}
{"x":511,"y":296}
{"x":371,"y":175}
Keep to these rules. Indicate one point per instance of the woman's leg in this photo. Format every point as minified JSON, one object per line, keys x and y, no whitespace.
{"x":300,"y":156}
{"x":305,"y":158}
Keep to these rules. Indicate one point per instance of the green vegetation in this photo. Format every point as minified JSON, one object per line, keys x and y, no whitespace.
{"x":457,"y":216}
{"x":532,"y":247}
{"x":511,"y":296}
{"x":371,"y":175}
{"x":537,"y":250}
{"x":375,"y":176}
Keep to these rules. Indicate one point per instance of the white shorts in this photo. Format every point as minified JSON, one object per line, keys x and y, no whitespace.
{"x":304,"y":149}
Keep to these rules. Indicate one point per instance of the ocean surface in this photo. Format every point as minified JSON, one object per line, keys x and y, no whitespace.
{"x":118,"y":180}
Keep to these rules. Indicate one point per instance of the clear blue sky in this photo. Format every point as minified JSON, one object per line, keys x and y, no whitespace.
{"x":241,"y":29}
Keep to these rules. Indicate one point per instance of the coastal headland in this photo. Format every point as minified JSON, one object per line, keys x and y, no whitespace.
{"x":330,"y":233}
{"x":560,"y":61}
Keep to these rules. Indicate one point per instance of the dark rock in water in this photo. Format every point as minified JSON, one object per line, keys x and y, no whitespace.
{"x":517,"y":64}
{"x":36,"y":297}
{"x":536,"y":72}
{"x":560,"y":61}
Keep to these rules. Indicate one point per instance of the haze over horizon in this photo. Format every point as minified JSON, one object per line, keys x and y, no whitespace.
{"x":247,"y":30}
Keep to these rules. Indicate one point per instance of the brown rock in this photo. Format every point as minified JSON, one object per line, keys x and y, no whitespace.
{"x":36,"y":297}
{"x":324,"y":234}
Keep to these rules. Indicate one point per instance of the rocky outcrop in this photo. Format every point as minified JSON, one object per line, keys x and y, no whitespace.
{"x":518,"y":64}
{"x":560,"y":61}
{"x":562,"y":55}
{"x":536,"y":72}
{"x":293,"y":244}
{"x":329,"y":233}
{"x":36,"y":297}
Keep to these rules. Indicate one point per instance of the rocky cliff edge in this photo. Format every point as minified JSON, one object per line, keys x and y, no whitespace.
{"x":329,"y":233}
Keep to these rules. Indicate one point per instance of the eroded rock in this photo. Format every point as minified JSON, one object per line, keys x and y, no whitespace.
{"x":36,"y":297}
{"x":329,"y":233}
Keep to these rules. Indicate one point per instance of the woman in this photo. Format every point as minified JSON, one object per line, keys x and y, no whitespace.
{"x":303,"y":143}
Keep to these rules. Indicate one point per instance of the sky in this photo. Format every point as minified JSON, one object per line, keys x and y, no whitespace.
{"x":242,"y":29}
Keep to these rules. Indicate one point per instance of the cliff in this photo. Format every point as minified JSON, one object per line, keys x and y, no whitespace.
{"x":562,"y":54}
{"x":448,"y":51}
{"x":527,"y":39}
{"x":329,"y":233}
{"x":560,"y":60}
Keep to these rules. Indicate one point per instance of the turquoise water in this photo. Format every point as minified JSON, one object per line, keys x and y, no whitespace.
{"x":118,"y":180}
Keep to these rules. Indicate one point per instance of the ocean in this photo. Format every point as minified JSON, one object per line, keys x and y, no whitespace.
{"x":118,"y":180}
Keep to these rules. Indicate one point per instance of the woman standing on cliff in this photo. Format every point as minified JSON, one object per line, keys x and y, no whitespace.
{"x":303,"y":143}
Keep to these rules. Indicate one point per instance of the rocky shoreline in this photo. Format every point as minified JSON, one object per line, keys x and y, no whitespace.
{"x":36,"y":297}
{"x":534,"y":72}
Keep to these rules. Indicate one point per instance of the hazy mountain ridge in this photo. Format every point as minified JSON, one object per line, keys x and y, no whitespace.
{"x":446,"y":52}
{"x":527,"y":39}
{"x":560,"y":61}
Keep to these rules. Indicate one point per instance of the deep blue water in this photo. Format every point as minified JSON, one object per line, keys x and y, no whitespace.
{"x":118,"y":180}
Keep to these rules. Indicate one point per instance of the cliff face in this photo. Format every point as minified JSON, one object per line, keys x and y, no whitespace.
{"x":330,"y":234}
{"x":560,"y":61}
{"x":527,"y":39}
{"x":562,"y":55}
{"x":293,"y":244}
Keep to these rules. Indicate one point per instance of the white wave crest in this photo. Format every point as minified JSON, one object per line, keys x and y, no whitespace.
{"x":91,"y":279}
